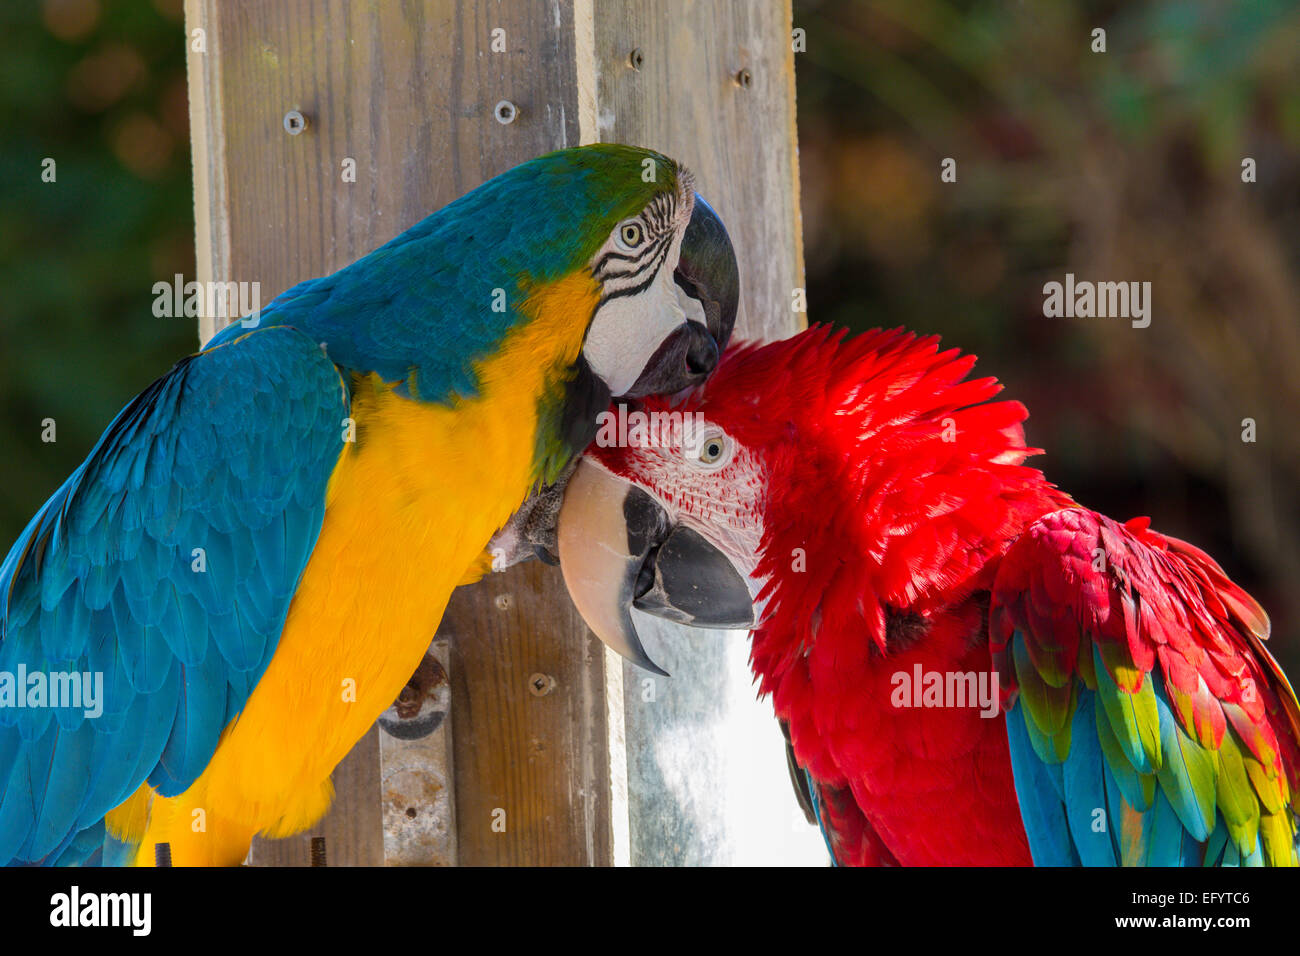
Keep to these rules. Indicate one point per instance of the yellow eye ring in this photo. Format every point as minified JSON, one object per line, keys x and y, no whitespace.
{"x":712,"y":450}
{"x":630,"y":234}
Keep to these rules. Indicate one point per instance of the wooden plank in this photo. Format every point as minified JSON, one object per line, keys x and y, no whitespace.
{"x":207,"y":149}
{"x":416,"y":768}
{"x":532,"y":781}
{"x":407,"y":91}
{"x":686,"y":100}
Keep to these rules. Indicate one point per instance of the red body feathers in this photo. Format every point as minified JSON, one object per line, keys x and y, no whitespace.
{"x":897,"y":521}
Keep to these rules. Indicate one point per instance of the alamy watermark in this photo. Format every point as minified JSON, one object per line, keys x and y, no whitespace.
{"x":922,"y":688}
{"x":132,"y":911}
{"x":72,"y":689}
{"x":213,"y":300}
{"x":1103,"y":300}
{"x":621,"y":428}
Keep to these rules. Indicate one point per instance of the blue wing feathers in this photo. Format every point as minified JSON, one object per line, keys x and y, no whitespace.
{"x":1164,"y":836}
{"x":1114,"y":812}
{"x":200,"y":718}
{"x":230,"y":452}
{"x":1085,"y":789}
{"x":64,"y":788}
{"x":1041,"y":807}
{"x":1173,"y":829}
{"x":81,"y":848}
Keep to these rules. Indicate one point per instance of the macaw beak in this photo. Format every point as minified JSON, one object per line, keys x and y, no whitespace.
{"x":708,"y":282}
{"x":619,"y":550}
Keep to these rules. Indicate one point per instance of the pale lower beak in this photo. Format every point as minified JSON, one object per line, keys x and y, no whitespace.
{"x":619,"y":550}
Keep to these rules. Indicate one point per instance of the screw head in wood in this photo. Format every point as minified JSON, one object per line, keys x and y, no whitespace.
{"x":505,"y":112}
{"x":294,"y":122}
{"x":503,"y":602}
{"x":539,"y":685}
{"x":744,"y":79}
{"x":636,"y":59}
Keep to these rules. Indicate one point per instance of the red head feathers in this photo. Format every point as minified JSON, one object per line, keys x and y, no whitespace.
{"x":869,"y":466}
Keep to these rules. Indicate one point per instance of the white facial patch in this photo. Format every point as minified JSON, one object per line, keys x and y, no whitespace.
{"x":640,"y":310}
{"x":629,"y":329}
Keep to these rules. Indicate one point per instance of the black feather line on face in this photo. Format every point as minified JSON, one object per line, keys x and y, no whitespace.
{"x":640,"y":287}
{"x":585,"y":396}
{"x":637,"y":263}
{"x":604,"y":260}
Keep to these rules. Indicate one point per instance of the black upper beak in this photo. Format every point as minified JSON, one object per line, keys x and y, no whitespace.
{"x":689,"y":581}
{"x":619,"y":550}
{"x":706,"y":273}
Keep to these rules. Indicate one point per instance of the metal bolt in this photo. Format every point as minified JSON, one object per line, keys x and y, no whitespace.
{"x":318,"y":851}
{"x":744,"y":79}
{"x":539,"y":685}
{"x":162,"y":854}
{"x":505,"y":112}
{"x":294,"y":122}
{"x":636,"y":59}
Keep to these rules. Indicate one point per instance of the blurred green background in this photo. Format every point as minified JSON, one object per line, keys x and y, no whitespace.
{"x":100,"y":89}
{"x":1123,"y":165}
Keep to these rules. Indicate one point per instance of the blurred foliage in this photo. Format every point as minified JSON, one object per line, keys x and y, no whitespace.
{"x":1123,"y":165}
{"x":100,"y":89}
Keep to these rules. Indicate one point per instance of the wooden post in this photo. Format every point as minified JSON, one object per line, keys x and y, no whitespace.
{"x":406,"y":96}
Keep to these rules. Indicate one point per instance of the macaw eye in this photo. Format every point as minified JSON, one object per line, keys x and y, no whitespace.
{"x":630,"y":234}
{"x":711,"y":451}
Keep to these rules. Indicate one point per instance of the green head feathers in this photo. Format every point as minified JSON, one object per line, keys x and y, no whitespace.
{"x":585,"y":193}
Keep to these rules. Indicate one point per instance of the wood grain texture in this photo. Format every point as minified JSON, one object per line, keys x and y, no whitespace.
{"x":686,"y":101}
{"x":533,"y":763}
{"x":407,"y":90}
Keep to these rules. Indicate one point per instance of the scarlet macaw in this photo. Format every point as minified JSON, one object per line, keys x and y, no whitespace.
{"x":257,"y":552}
{"x":867,"y":511}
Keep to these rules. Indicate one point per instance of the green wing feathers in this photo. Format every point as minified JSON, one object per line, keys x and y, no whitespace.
{"x":1148,"y":723}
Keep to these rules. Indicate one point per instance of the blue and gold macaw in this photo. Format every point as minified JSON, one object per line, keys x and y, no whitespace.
{"x":257,"y":551}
